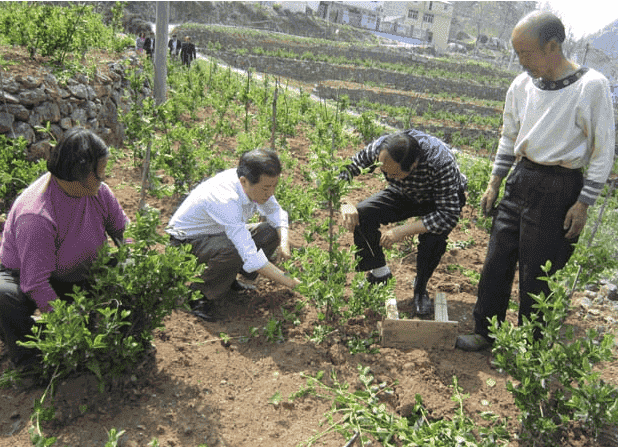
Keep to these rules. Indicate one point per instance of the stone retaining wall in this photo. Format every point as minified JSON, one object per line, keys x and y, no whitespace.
{"x":27,"y":103}
{"x":314,"y":72}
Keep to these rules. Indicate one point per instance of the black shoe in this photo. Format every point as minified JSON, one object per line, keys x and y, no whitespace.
{"x":422,"y":304}
{"x":375,"y":280}
{"x":204,"y":309}
{"x":238,"y":286}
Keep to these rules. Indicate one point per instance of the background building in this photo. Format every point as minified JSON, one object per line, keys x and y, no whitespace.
{"x":429,"y":22}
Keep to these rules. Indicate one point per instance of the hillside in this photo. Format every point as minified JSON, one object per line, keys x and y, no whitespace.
{"x":605,"y":42}
{"x":245,"y":14}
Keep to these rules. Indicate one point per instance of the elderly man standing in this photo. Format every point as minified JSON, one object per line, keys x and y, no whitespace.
{"x":558,"y":121}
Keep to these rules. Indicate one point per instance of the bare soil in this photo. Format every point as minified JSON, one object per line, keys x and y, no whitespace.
{"x":199,"y":390}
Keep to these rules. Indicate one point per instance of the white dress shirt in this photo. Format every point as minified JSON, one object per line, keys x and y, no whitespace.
{"x":220,"y":205}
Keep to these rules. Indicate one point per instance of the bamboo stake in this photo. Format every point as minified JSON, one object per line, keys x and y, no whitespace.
{"x":274,"y":120}
{"x":145,"y":177}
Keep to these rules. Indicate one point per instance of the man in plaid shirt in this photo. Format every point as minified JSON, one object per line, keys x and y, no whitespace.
{"x":423,"y":180}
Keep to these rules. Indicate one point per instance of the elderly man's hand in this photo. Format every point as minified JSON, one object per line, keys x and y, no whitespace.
{"x":488,"y":199}
{"x":349,"y":216}
{"x":575,"y":220}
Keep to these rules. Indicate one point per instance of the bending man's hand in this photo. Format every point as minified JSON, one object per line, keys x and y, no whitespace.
{"x":283,"y":253}
{"x":349,"y":216}
{"x":575,"y":220}
{"x":389,"y":237}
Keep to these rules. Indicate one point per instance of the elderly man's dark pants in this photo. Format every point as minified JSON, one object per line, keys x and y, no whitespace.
{"x":390,"y":206}
{"x":528,"y":229}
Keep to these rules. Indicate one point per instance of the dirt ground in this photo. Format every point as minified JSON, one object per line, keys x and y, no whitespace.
{"x":198,"y":390}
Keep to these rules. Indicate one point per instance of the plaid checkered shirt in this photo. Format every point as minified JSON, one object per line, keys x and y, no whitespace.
{"x":437,"y":179}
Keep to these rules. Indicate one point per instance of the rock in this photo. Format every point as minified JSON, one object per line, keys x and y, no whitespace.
{"x":6,"y":122}
{"x":66,"y":123}
{"x":32,"y":97}
{"x":9,"y":85}
{"x":21,"y":129}
{"x":56,"y":131}
{"x":17,"y":110}
{"x":40,"y":149}
{"x":49,"y":111}
{"x":7,"y":98}
{"x":585,"y":303}
{"x":50,"y":78}
{"x":609,"y":291}
{"x":29,"y":81}
{"x":79,"y":116}
{"x":79,"y":91}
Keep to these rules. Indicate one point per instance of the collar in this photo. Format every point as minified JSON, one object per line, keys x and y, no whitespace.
{"x":561,"y":83}
{"x":242,"y":195}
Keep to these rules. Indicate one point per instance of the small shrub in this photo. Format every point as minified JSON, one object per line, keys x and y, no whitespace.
{"x":107,"y":330}
{"x":553,"y":381}
{"x":16,"y":171}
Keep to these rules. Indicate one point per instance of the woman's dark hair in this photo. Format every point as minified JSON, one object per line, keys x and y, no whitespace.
{"x":254,"y":163}
{"x":76,"y":155}
{"x":402,"y":148}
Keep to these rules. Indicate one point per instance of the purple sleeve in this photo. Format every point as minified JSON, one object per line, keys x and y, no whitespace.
{"x":37,"y":258}
{"x":116,"y":219}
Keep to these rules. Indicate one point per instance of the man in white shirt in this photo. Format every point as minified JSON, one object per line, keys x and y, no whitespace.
{"x":558,"y":120}
{"x":213,"y":219}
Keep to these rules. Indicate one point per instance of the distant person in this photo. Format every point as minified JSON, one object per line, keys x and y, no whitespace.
{"x":52,"y":235}
{"x":174,"y":45}
{"x":423,"y":181}
{"x":149,"y":45}
{"x":213,"y":221}
{"x":187,"y":52}
{"x":559,"y":133}
{"x":139,"y":43}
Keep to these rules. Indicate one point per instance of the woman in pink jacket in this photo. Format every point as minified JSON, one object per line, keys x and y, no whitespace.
{"x":52,"y":234}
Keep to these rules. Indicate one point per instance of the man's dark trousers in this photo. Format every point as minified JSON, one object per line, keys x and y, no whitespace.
{"x":528,"y":228}
{"x":390,"y":206}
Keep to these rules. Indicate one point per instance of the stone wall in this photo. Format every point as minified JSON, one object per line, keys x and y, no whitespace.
{"x":30,"y":102}
{"x":314,"y":72}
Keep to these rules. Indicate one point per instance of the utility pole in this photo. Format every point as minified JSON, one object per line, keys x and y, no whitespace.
{"x":160,"y":56}
{"x":586,"y":53}
{"x":160,"y":83}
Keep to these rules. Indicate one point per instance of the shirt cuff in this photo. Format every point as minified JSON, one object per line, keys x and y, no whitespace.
{"x":255,"y":262}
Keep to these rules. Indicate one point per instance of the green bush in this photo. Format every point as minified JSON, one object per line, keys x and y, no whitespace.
{"x":553,"y":380}
{"x":108,"y":330}
{"x":16,"y":171}
{"x":50,"y":30}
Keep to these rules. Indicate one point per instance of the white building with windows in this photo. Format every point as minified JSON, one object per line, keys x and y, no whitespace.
{"x":429,"y":22}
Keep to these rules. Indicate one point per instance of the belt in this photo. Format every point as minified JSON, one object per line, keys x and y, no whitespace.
{"x":554,"y":169}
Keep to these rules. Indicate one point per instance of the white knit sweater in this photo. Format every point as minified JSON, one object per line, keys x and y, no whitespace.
{"x":569,"y":123}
